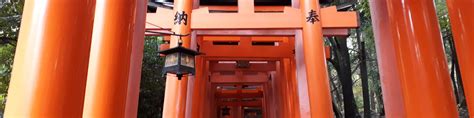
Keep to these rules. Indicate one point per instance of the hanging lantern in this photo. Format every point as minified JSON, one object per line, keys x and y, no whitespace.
{"x":179,"y":60}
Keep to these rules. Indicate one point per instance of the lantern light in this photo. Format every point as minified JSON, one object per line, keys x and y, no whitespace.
{"x":179,"y":60}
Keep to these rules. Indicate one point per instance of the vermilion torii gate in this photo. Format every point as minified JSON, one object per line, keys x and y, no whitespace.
{"x":245,"y":27}
{"x":80,"y":58}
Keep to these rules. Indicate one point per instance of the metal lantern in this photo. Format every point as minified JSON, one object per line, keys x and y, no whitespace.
{"x":179,"y":61}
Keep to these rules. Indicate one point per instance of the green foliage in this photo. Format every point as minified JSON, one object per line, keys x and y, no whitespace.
{"x":152,"y":85}
{"x":445,"y":26}
{"x":443,"y":17}
{"x":6,"y":61}
{"x":10,"y":18}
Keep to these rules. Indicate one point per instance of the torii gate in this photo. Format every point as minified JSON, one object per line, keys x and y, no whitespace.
{"x":79,"y":58}
{"x":247,"y":21}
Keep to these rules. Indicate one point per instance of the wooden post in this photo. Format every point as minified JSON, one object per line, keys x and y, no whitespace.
{"x":301,"y":79}
{"x":294,"y":88}
{"x":462,"y":23}
{"x":176,"y":90}
{"x":199,"y":89}
{"x":416,"y":49}
{"x":391,"y":88}
{"x":50,"y":68}
{"x":316,"y":71}
{"x":115,"y":61}
{"x":133,"y":91}
{"x":289,"y":94}
{"x":281,"y":89}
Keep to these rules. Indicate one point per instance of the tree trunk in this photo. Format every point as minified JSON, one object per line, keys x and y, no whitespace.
{"x":380,"y":98}
{"x":453,"y":79}
{"x":457,"y":79}
{"x":345,"y":76}
{"x":363,"y":75}
{"x":373,"y":102}
{"x":337,"y":113}
{"x":455,"y":74}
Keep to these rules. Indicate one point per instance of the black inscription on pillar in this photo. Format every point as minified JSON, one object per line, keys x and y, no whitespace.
{"x":181,"y":17}
{"x":312,"y":17}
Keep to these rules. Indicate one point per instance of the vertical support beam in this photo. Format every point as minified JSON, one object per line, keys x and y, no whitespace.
{"x":115,"y":61}
{"x":205,"y":77}
{"x":420,"y":55}
{"x":207,"y":89}
{"x":300,"y":68}
{"x":286,"y":80}
{"x":176,"y":90}
{"x":182,"y":98}
{"x":420,"y":59}
{"x":133,"y":91}
{"x":276,"y":96}
{"x":190,"y":96}
{"x":235,"y":111}
{"x":280,"y":90}
{"x":192,"y":80}
{"x":462,"y":23}
{"x":294,"y":89}
{"x":264,"y":101}
{"x":316,"y":71}
{"x":198,"y":89}
{"x":239,"y":99}
{"x":203,"y":89}
{"x":386,"y":58}
{"x":269,"y":100}
{"x":50,"y":68}
{"x":213,"y":101}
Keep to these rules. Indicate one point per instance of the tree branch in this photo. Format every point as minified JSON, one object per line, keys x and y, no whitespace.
{"x":355,"y":68}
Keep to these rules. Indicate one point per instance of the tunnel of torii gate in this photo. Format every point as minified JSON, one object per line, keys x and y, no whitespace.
{"x":258,"y":57}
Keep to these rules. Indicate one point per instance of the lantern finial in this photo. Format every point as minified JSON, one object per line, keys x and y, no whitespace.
{"x":180,"y":40}
{"x":180,"y":43}
{"x":179,"y":75}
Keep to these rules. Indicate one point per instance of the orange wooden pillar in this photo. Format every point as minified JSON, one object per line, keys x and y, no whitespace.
{"x":269,"y":100}
{"x":301,"y":80}
{"x":290,"y":94}
{"x":386,"y":58}
{"x":50,"y":68}
{"x":133,"y":92}
{"x":199,"y":89}
{"x":280,"y":87}
{"x":275,"y":105}
{"x":316,"y":72}
{"x":176,"y":90}
{"x":115,"y":61}
{"x":294,"y":88}
{"x":462,"y":23}
{"x":284,"y":85}
{"x":418,"y":54}
{"x":206,"y":108}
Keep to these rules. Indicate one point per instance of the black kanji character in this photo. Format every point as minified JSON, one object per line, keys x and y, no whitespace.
{"x":181,"y":18}
{"x":312,"y":17}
